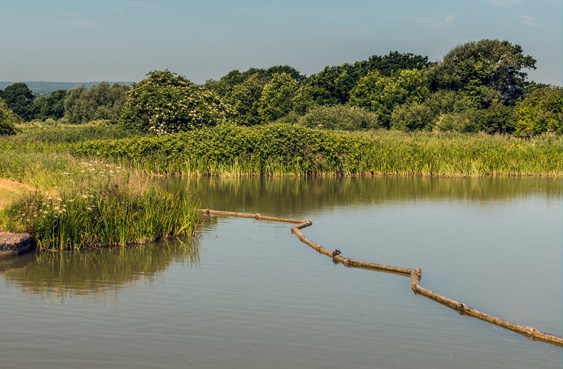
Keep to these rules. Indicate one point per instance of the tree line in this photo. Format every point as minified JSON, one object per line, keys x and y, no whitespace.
{"x":479,"y":86}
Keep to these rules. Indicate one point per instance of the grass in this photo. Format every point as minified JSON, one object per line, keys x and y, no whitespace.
{"x":72,"y":203}
{"x":281,"y":149}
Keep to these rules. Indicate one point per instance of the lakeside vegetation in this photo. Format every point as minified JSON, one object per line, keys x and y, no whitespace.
{"x":285,"y":149}
{"x":87,"y":203}
{"x":87,"y":152}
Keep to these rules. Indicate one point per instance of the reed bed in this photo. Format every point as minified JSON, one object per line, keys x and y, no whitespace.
{"x":89,"y":203}
{"x":282,"y":149}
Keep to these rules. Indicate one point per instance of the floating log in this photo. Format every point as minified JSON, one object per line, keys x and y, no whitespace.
{"x":414,"y":274}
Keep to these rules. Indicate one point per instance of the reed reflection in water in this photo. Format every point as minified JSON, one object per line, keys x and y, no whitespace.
{"x":57,"y":276}
{"x":298,"y":197}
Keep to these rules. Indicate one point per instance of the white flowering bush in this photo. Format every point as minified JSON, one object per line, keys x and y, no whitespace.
{"x":166,"y":103}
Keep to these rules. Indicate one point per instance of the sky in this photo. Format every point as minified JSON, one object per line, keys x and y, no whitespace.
{"x":120,"y":40}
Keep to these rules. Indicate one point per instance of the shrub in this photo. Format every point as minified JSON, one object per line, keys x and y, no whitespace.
{"x":455,"y":122}
{"x":340,"y":117}
{"x":103,"y":101}
{"x":541,"y":111}
{"x":166,"y":103}
{"x":412,"y":117}
{"x":8,"y":120}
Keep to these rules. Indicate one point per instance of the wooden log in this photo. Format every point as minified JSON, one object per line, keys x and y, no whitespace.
{"x":250,"y":216}
{"x":528,"y":332}
{"x":415,"y":275}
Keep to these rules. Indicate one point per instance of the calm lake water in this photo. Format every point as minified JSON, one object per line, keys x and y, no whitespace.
{"x":249,"y":294}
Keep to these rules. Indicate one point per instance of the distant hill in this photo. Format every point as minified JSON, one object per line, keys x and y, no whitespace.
{"x":44,"y":87}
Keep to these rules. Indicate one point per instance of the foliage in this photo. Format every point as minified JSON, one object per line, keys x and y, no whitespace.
{"x":114,"y":209}
{"x":460,"y":122}
{"x":395,"y":61}
{"x":447,"y":110}
{"x":491,"y":64}
{"x":165,"y":103}
{"x":225,"y":86}
{"x":277,"y":98}
{"x":245,"y":100}
{"x":88,"y":202}
{"x":50,"y":106}
{"x":19,"y":98}
{"x":497,"y":118}
{"x":8,"y":120}
{"x":540,"y":111}
{"x":340,"y":117}
{"x":412,"y":117}
{"x":289,"y":149}
{"x":103,"y":101}
{"x":381,"y":94}
{"x":334,"y":84}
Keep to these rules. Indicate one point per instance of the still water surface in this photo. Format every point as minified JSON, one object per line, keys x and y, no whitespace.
{"x":250,"y":294}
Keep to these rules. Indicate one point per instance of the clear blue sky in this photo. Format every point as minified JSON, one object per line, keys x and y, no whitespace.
{"x":120,"y":40}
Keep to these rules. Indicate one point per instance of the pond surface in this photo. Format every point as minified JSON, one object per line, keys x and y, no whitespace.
{"x":250,"y":294}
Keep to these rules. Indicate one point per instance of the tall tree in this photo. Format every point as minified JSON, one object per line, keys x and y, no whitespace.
{"x":277,"y":97}
{"x":19,"y":98}
{"x":245,"y":100}
{"x":50,"y":106}
{"x":381,"y":94}
{"x":483,"y":68}
{"x":102,"y":101}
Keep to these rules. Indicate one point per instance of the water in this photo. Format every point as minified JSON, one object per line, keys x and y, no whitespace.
{"x":250,"y":294}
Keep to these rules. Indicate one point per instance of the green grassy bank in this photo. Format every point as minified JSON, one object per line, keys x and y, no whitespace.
{"x":76,"y":203}
{"x":286,"y":149}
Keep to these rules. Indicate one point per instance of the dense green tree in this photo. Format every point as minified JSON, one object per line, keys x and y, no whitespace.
{"x":497,"y":118}
{"x":540,"y":111}
{"x":19,"y":98}
{"x":424,"y":115}
{"x":491,"y":64}
{"x":102,"y":101}
{"x":8,"y":120}
{"x":245,"y":100}
{"x":381,"y":94}
{"x":333,"y":84}
{"x":277,"y":98}
{"x":50,"y":106}
{"x":394,"y":62}
{"x":225,"y":86}
{"x":412,"y":117}
{"x":165,"y":103}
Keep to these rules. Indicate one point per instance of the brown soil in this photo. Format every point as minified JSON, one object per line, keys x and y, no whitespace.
{"x":10,"y":189}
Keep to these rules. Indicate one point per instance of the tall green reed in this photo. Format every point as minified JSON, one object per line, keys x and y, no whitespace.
{"x":107,"y":208}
